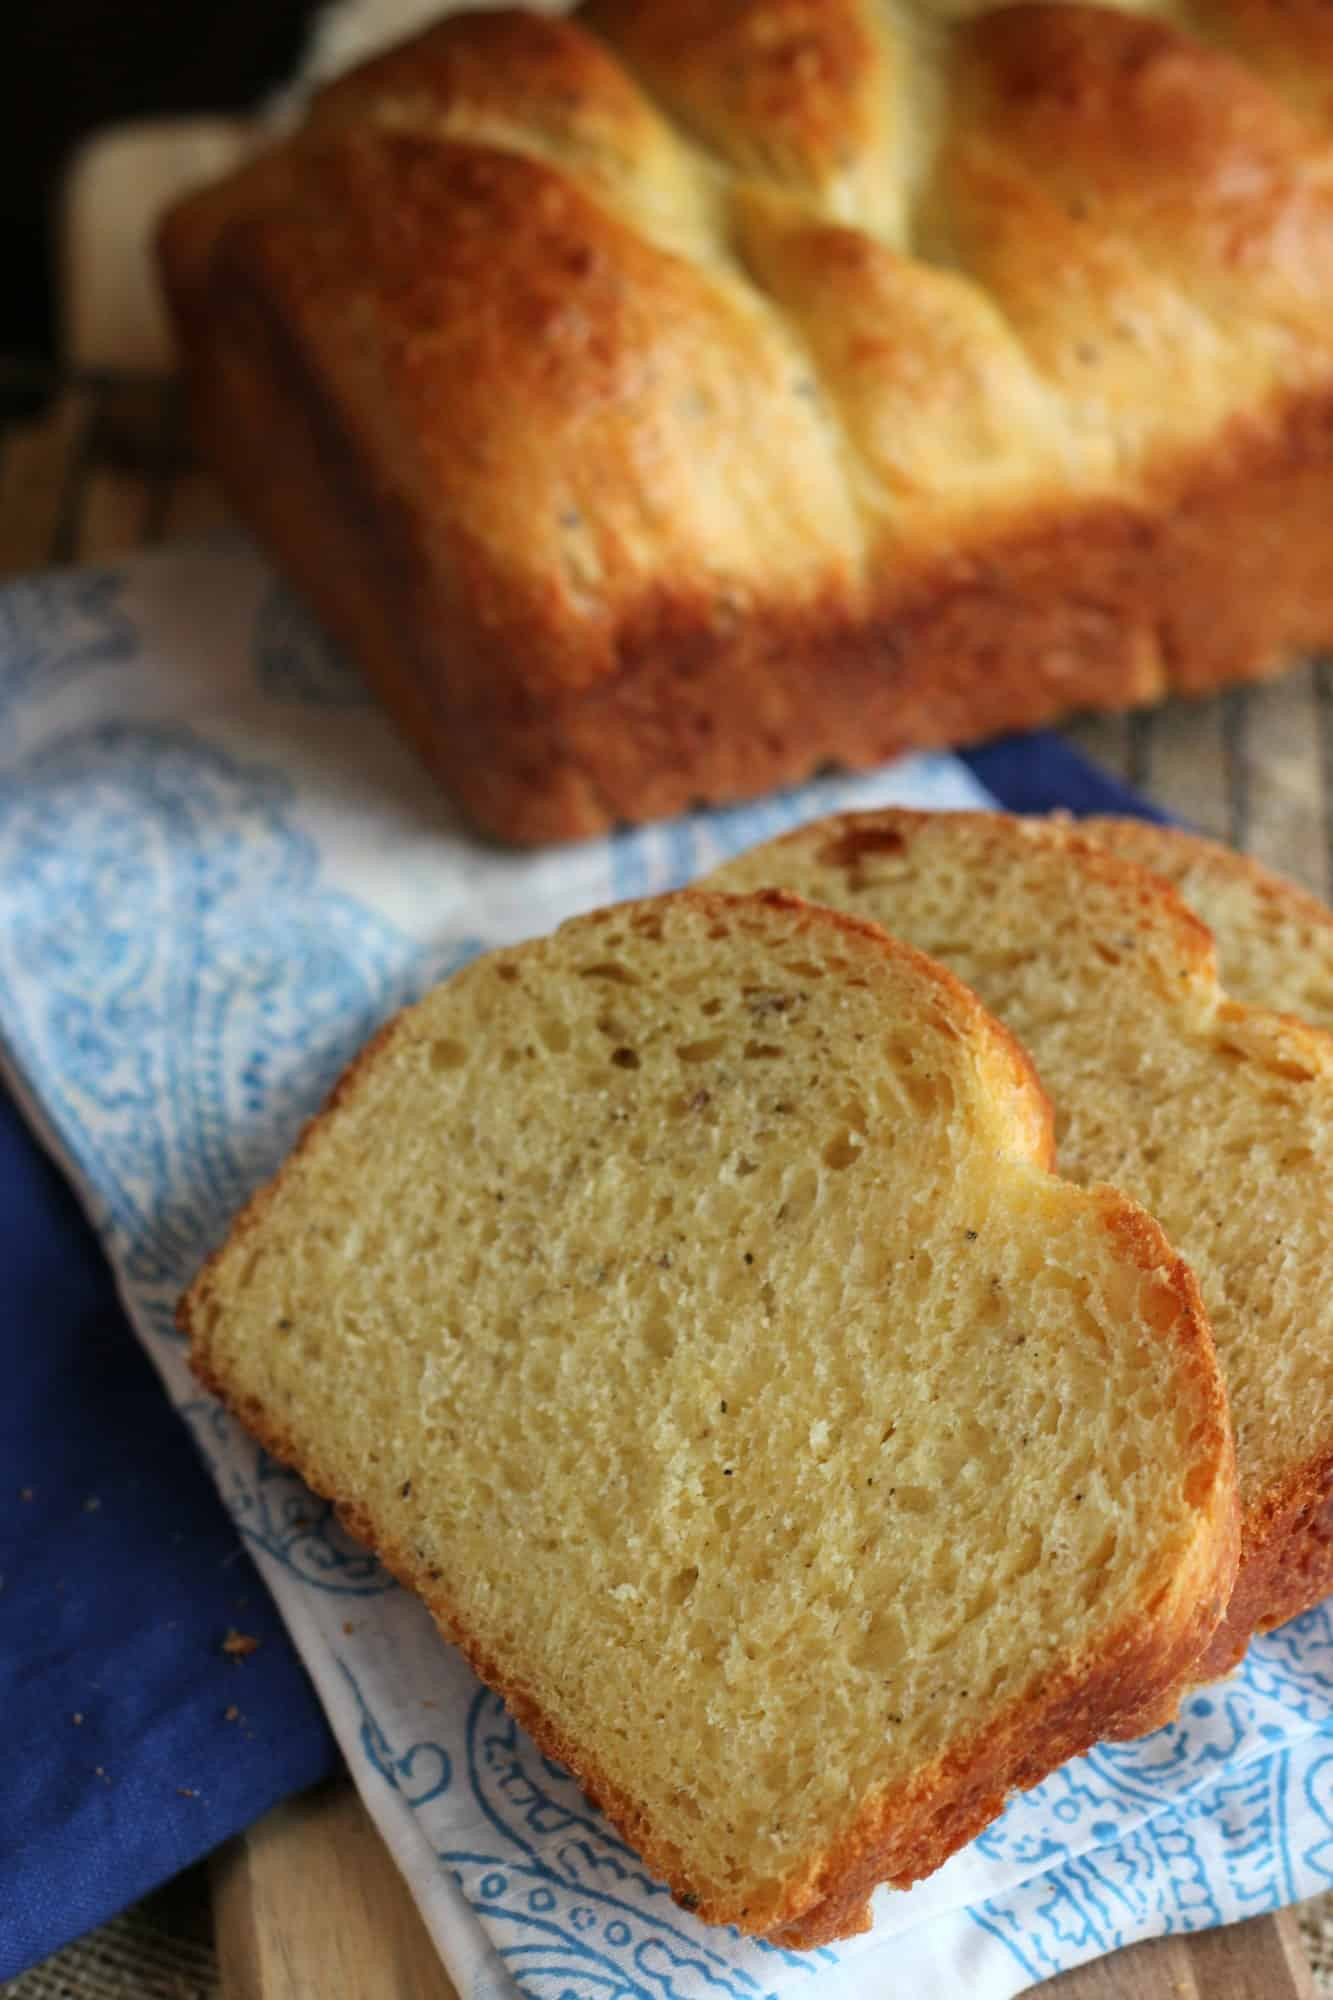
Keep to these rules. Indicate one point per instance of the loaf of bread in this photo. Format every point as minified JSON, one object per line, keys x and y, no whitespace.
{"x":1215,"y":1115}
{"x":684,"y":1306}
{"x":1274,"y":940}
{"x":664,"y":402}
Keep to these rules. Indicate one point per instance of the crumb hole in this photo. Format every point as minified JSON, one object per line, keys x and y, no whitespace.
{"x":447,"y":1054}
{"x":618,"y":974}
{"x":682,"y":1584}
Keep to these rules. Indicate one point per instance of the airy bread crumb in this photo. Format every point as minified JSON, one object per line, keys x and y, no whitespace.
{"x":1216,"y":1115}
{"x":684,"y":1306}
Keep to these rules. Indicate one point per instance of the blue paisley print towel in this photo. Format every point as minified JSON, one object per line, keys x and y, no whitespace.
{"x":219,"y":870}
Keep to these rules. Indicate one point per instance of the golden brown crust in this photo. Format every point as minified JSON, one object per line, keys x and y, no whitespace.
{"x":540,"y":75}
{"x":1191,"y":160}
{"x":912,"y":1828}
{"x":1288,"y":1566}
{"x":1287,"y":42}
{"x":1226,"y":579}
{"x":633,"y":478}
{"x":797,"y":93}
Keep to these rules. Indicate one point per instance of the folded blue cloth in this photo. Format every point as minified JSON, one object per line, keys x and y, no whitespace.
{"x":138,"y":1742}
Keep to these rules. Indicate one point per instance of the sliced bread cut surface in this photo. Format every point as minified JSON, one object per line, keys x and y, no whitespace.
{"x":684,"y":1306}
{"x":1274,"y":940}
{"x":1218,"y":1117}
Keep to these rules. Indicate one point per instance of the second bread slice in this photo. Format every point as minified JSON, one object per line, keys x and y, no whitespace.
{"x":1274,"y":940}
{"x":1217,"y":1116}
{"x":684,"y":1306}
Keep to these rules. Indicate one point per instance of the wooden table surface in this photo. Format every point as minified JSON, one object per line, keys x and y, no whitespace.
{"x":102,"y":469}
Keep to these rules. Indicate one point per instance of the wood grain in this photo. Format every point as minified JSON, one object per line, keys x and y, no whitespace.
{"x":309,"y":1903}
{"x":1258,"y":1960}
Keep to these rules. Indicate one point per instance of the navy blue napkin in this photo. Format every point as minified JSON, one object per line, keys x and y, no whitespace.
{"x":135,"y":1742}
{"x":138,"y":1739}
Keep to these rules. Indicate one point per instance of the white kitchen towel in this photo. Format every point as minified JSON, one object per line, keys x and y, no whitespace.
{"x":219,"y":869}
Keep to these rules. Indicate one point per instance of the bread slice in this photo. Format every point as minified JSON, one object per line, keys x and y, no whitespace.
{"x":1215,"y":1115}
{"x":1274,"y":940}
{"x":684,"y":1306}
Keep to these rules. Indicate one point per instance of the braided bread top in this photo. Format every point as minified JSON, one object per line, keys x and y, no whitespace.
{"x":745,"y":292}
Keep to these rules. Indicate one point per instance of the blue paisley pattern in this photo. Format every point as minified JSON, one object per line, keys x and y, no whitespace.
{"x":196,"y":993}
{"x":1313,"y":1856}
{"x":648,"y":860}
{"x":54,"y":629}
{"x":275,"y":1510}
{"x":183,"y":974}
{"x":174,"y":970}
{"x":1119,"y":1783}
{"x":570,"y":1907}
{"x":1225,"y":1854}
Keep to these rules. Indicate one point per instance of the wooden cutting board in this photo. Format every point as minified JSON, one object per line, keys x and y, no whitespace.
{"x":310,"y":1903}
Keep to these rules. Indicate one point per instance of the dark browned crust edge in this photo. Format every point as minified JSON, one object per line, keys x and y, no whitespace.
{"x":1104,"y":604}
{"x":1286,"y":1568}
{"x":911,"y":1830}
{"x":1288,"y":1562}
